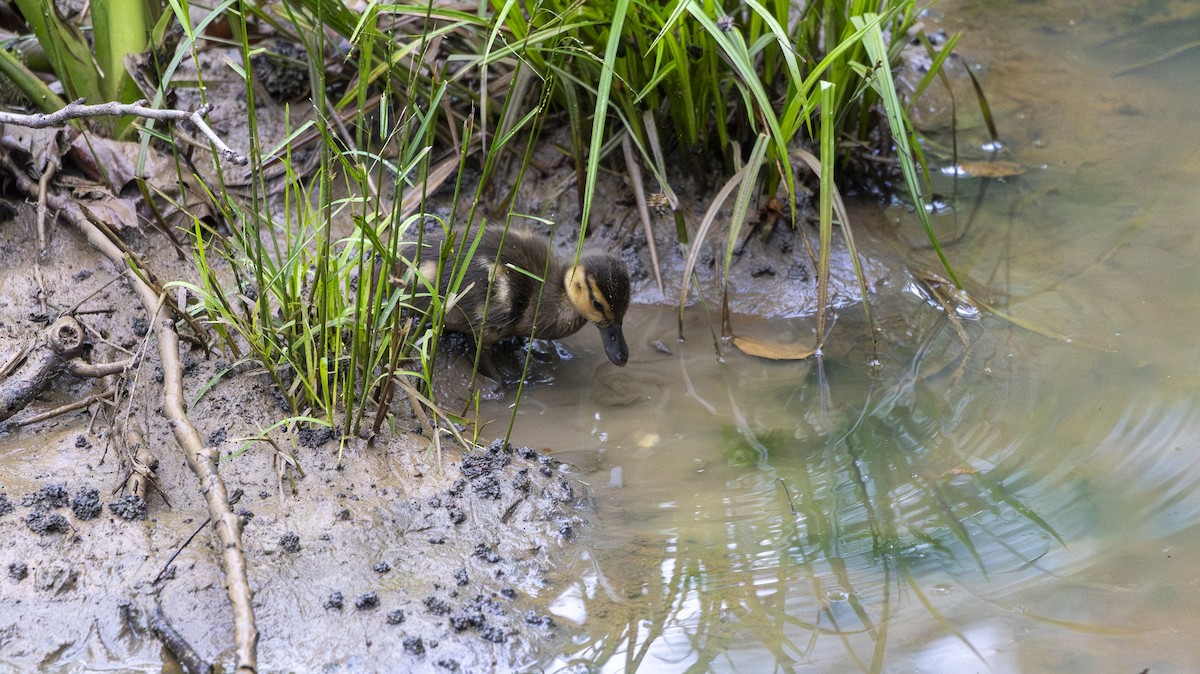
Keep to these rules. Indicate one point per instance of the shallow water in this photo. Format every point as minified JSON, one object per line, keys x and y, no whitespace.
{"x":1025,"y":502}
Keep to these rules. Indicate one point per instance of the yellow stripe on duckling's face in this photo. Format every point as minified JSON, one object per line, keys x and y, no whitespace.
{"x":588,"y":299}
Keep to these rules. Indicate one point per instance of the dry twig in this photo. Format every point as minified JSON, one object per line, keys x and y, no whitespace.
{"x":79,"y":110}
{"x":66,"y":409}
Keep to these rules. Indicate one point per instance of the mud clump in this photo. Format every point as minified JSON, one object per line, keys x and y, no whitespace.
{"x":367,"y":600}
{"x":382,"y":567}
{"x":18,"y":571}
{"x":6,"y":505}
{"x":86,"y":504}
{"x":485,"y":552}
{"x":290,"y":542}
{"x":481,"y":469}
{"x":49,"y":497}
{"x":42,"y":522}
{"x":129,"y":507}
{"x":534,"y":619}
{"x":395,"y":617}
{"x":414,"y":645}
{"x":437,"y":606}
{"x":471,"y":615}
{"x":336,"y":601}
{"x":313,"y":438}
{"x":217,"y":437}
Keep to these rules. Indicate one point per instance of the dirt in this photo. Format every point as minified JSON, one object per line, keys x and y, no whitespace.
{"x":376,"y":553}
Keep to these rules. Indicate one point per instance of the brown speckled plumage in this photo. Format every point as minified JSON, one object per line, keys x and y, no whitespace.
{"x":599,"y":294}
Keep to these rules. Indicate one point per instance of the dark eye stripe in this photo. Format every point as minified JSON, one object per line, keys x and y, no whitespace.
{"x":598,"y":297}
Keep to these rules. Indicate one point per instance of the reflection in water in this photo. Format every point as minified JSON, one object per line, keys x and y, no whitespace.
{"x":1009,"y":501}
{"x":785,"y":525}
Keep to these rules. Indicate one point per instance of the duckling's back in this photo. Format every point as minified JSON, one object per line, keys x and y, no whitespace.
{"x":520,"y":259}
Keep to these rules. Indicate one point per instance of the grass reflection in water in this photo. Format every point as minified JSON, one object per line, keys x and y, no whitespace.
{"x":833,"y":518}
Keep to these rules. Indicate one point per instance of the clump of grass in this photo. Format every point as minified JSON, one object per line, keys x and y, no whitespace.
{"x":303,"y":283}
{"x":686,"y":86}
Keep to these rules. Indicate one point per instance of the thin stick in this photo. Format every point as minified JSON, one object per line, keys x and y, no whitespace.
{"x":180,"y":549}
{"x":78,"y":110}
{"x":65,"y":409}
{"x":43,"y":186}
{"x":639,"y":195}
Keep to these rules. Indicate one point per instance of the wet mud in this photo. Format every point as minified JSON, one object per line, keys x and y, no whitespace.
{"x":362,"y":555}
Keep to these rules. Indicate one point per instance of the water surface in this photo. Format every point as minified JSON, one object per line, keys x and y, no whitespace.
{"x":1023,"y":502}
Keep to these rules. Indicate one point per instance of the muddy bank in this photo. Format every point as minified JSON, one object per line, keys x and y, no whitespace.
{"x":359,"y":554}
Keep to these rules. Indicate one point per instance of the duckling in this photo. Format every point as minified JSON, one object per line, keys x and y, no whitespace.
{"x":595,"y":290}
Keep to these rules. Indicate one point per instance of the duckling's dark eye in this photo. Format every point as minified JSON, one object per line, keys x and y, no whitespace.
{"x":599,"y":307}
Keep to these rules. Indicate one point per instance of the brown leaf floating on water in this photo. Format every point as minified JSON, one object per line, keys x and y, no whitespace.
{"x":771,"y":350}
{"x":988,"y":169}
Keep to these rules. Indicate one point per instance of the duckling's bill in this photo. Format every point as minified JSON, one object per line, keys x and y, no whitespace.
{"x":614,"y":344}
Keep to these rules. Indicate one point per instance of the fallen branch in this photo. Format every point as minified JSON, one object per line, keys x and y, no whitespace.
{"x":52,"y":349}
{"x":67,"y":409}
{"x":78,"y":110}
{"x":202,"y":460}
{"x":189,"y":660}
{"x":53,"y":352}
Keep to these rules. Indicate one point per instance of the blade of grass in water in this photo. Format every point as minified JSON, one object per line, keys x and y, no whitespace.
{"x":710,"y":216}
{"x":825,"y":210}
{"x":737,"y":220}
{"x":886,"y":87}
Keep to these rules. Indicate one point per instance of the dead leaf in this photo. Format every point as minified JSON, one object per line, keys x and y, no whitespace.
{"x":100,"y":205}
{"x":987,"y":169}
{"x":771,"y":350}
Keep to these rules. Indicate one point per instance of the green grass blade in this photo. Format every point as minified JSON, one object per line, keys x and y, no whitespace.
{"x":741,"y":205}
{"x":603,"y":93}
{"x":886,"y":88}
{"x":67,"y":49}
{"x":32,"y":86}
{"x":120,"y":28}
{"x":825,"y":209}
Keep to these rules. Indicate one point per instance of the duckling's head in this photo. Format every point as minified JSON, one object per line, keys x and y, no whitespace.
{"x":598,"y":288}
